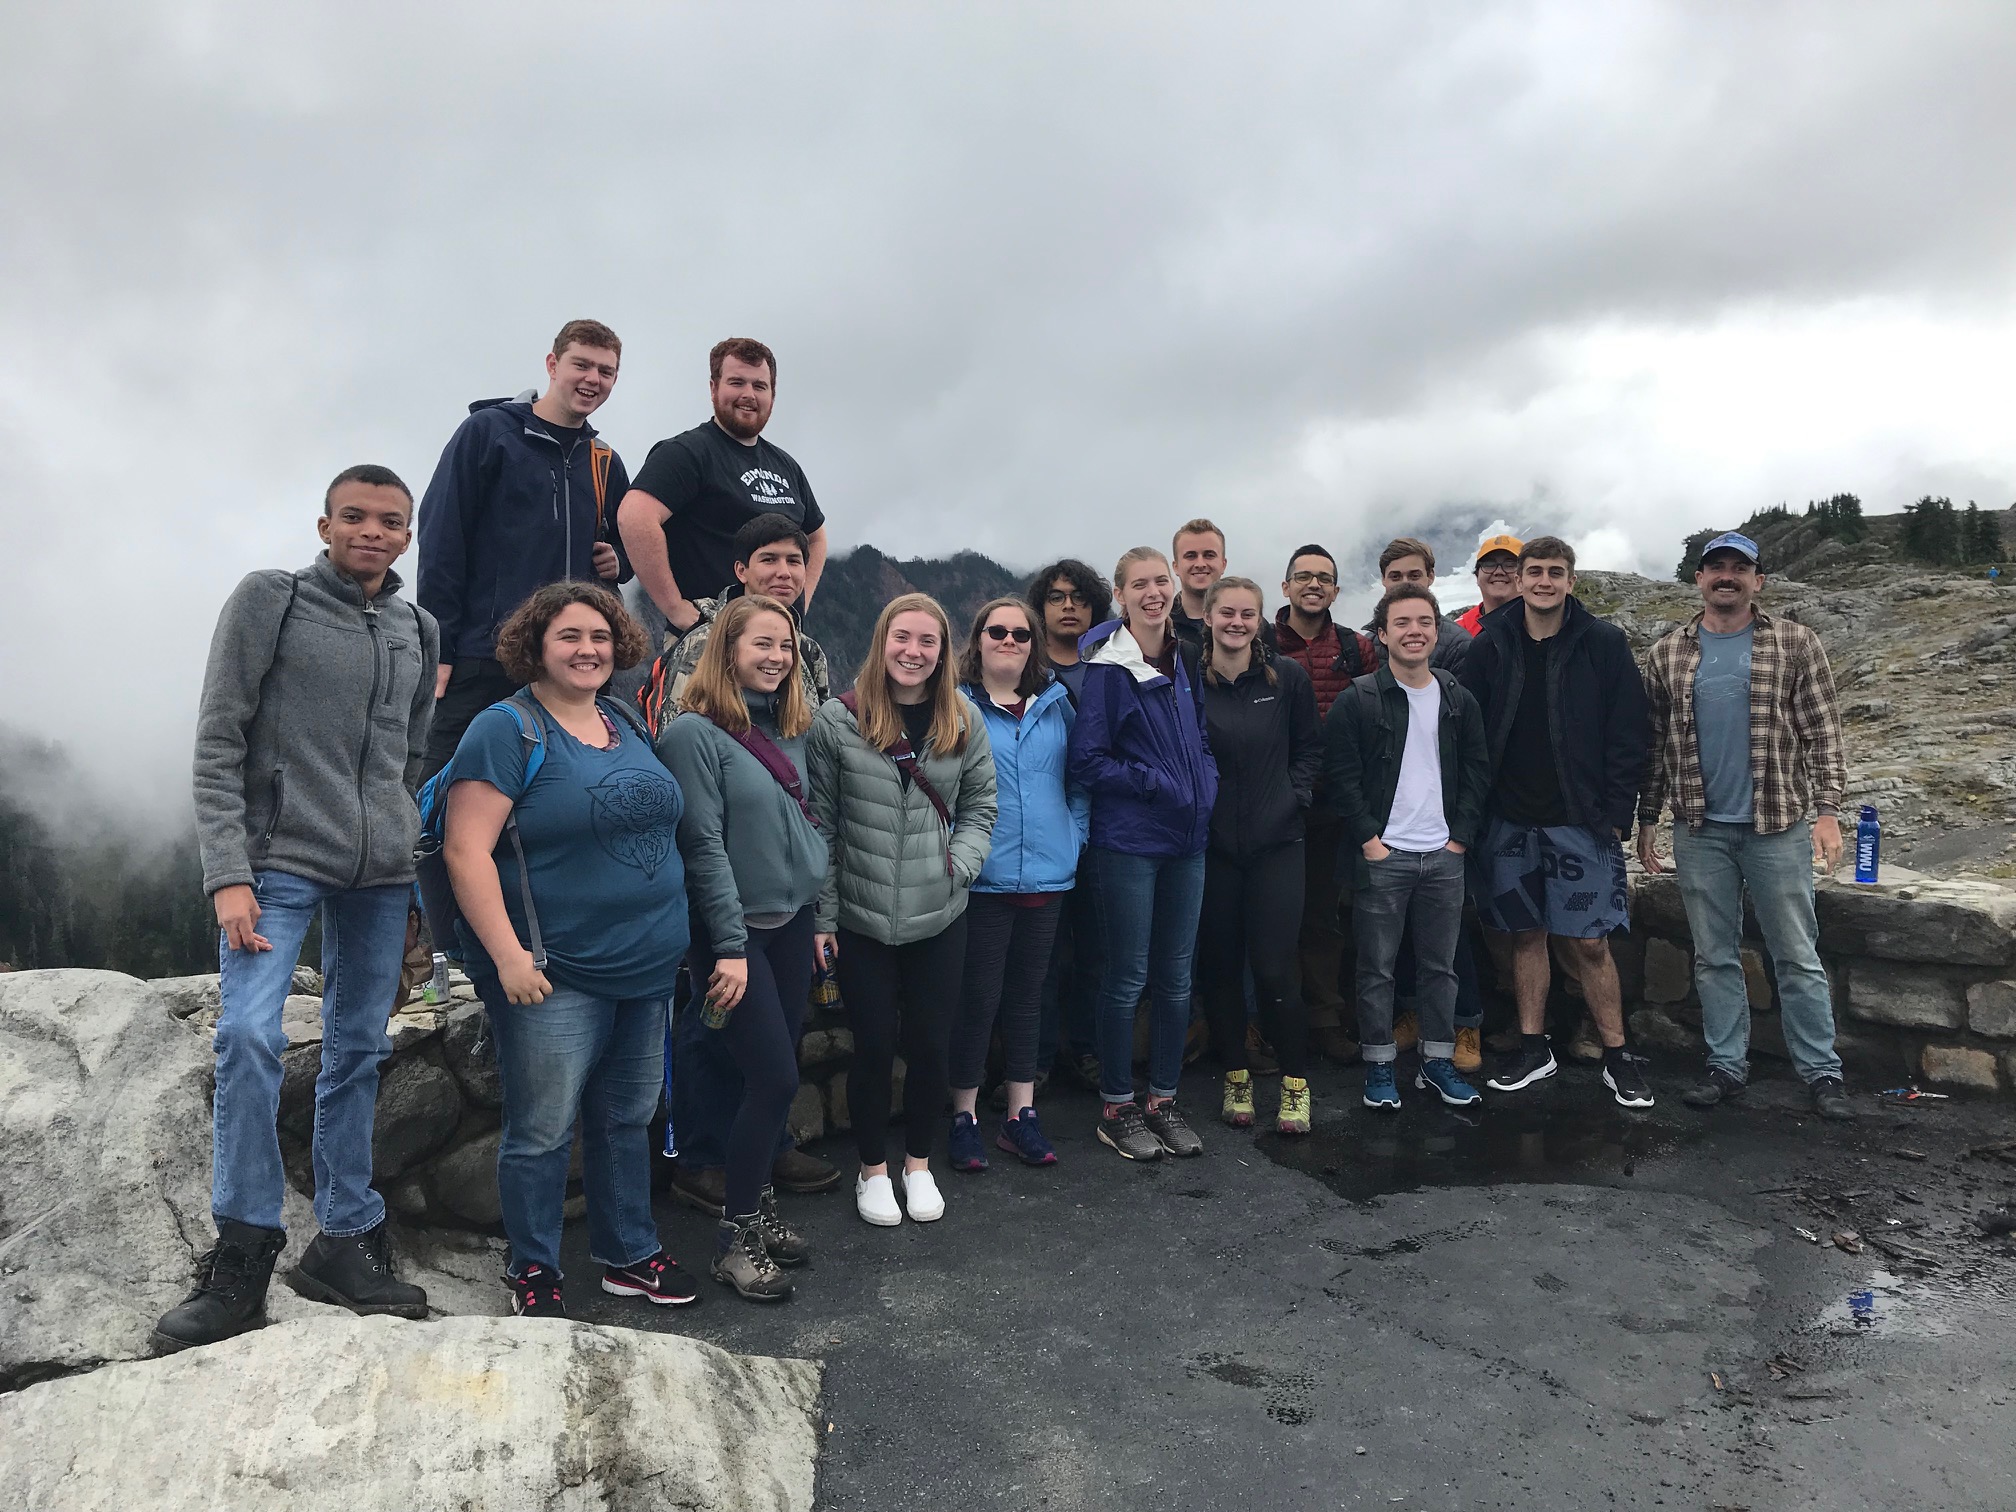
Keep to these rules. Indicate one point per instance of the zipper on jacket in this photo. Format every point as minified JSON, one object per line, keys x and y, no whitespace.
{"x":279,"y":801}
{"x":563,"y":493}
{"x":364,"y":752}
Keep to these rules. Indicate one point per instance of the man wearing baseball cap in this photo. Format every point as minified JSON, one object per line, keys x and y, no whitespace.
{"x":1746,"y":740}
{"x":1496,"y":566}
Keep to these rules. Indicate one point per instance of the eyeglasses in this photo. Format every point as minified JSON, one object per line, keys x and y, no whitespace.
{"x":1018,"y":633}
{"x":1059,"y":597}
{"x":1320,"y":579}
{"x":1498,"y":569}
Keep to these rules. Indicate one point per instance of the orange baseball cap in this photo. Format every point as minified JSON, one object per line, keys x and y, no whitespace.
{"x":1498,"y":543}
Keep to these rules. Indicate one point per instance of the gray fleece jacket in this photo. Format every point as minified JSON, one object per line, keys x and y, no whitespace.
{"x":748,"y":847}
{"x":312,"y":729}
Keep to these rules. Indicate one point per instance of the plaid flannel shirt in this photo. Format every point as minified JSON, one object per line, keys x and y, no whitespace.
{"x":1796,"y":754}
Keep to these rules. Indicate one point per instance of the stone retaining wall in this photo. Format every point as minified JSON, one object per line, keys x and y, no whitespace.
{"x":1923,"y":971}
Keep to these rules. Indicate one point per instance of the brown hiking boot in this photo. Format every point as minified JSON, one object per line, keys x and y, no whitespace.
{"x":1469,"y":1054}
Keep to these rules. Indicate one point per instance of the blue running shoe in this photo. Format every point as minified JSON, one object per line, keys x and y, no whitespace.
{"x":1453,"y":1090}
{"x":1022,"y":1136}
{"x":1380,"y":1091}
{"x":968,"y":1154}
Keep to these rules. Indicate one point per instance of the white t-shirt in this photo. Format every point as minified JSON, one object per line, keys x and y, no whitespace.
{"x":1417,"y":822}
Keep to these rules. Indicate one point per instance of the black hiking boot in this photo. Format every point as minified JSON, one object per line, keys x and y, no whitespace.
{"x":1830,"y":1099}
{"x":356,"y":1272}
{"x":230,"y":1294}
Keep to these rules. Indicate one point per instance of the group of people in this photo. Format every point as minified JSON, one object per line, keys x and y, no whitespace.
{"x":1102,"y":799}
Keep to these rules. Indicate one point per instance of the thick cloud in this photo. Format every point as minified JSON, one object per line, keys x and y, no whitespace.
{"x":1038,"y":277}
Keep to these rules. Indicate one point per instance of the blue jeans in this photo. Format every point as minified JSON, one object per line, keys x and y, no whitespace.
{"x":1147,"y":908}
{"x":1716,"y":864}
{"x":363,"y":941}
{"x":573,"y":1054}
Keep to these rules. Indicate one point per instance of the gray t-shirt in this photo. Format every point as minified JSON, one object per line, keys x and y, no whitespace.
{"x":1722,"y":724}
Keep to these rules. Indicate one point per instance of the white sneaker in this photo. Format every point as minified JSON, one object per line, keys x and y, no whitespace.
{"x":920,"y":1196}
{"x":875,"y":1201}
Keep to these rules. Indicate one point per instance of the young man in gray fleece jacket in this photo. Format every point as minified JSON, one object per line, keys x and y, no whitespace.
{"x":309,"y":740}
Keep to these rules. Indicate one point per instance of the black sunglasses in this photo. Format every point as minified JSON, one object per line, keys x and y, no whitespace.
{"x":1003,"y":632}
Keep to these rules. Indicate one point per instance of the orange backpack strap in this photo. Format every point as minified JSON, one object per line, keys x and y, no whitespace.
{"x":599,"y":456}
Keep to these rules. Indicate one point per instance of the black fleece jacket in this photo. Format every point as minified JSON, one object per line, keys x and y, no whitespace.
{"x":1269,"y":747}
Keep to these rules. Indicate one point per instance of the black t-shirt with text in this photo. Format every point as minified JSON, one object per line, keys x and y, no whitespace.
{"x":1528,"y":790}
{"x":714,"y":485}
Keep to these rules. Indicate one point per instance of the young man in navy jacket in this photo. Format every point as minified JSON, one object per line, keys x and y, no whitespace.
{"x":1566,"y":718}
{"x":525,"y":494}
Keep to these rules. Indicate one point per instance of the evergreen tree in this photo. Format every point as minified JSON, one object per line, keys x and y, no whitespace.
{"x":1932,"y":531}
{"x":1980,"y":535}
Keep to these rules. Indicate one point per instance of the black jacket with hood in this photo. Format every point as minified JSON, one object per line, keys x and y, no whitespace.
{"x":1598,"y":721}
{"x":1269,"y":747}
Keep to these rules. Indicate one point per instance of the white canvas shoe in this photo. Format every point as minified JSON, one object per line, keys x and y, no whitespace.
{"x":875,"y":1201}
{"x":921,"y":1197}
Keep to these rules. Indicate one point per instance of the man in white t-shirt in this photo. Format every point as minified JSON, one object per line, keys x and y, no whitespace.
{"x":1407,"y":769}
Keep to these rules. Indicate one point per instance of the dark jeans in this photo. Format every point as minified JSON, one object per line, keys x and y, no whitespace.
{"x":1252,"y":916}
{"x":761,"y":1039}
{"x":903,"y":993}
{"x":1071,"y":989}
{"x":1147,"y":913}
{"x":1007,"y":955}
{"x":598,"y":1060}
{"x":1422,"y":890}
{"x":1469,"y":994}
{"x":476,"y":683}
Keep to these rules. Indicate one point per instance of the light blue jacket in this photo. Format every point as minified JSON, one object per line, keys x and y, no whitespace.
{"x":1043,"y":820}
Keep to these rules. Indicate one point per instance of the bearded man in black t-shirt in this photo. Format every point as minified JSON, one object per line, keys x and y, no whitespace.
{"x":697,"y":489}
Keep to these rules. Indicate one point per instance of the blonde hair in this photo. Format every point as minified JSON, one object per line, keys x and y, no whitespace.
{"x":874,"y":706}
{"x":1198,"y":526}
{"x":712,"y":689}
{"x":1215,"y":592}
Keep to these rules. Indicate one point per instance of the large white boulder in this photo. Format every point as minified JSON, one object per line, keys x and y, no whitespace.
{"x":467,"y":1414}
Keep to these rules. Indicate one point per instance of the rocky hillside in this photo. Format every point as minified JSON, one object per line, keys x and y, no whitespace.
{"x":1922,"y":657}
{"x":857,"y":585}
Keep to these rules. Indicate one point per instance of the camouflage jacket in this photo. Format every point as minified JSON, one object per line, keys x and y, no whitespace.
{"x":682,"y":655}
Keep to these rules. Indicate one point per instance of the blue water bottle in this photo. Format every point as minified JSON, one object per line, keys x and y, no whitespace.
{"x":1868,"y":844}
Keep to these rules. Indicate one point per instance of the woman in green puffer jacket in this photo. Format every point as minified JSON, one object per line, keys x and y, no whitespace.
{"x":903,"y":786}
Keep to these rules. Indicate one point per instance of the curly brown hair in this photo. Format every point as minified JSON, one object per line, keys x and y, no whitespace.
{"x":521,"y":643}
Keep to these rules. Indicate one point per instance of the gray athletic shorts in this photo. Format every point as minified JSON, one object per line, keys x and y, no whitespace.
{"x":1562,"y":878}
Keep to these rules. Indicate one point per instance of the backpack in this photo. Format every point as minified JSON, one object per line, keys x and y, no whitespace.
{"x":430,"y":861}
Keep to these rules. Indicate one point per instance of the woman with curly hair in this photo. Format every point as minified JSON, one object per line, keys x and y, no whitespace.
{"x":903,"y":786}
{"x":577,"y":986}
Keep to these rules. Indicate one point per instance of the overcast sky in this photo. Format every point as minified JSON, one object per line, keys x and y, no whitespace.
{"x":1040,"y":278}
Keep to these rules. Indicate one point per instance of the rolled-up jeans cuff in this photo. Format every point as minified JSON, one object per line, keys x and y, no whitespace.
{"x":1438,"y":1050}
{"x":1380,"y":1055}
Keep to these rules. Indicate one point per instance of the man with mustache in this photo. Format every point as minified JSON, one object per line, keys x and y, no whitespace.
{"x":524,"y":495}
{"x":697,"y":489}
{"x":1746,"y":739}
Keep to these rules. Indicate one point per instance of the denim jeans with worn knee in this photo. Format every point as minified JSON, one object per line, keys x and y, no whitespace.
{"x":602,"y":1059}
{"x":1717,"y":863}
{"x":363,"y":942}
{"x":1147,"y":910}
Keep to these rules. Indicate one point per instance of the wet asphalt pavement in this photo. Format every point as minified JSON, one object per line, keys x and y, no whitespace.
{"x":1550,"y":1303}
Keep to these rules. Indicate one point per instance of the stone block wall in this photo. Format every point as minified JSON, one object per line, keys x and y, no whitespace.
{"x":1923,"y":974}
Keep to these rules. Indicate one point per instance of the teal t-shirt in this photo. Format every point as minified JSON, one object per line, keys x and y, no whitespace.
{"x":601,"y":831}
{"x":1722,"y":724}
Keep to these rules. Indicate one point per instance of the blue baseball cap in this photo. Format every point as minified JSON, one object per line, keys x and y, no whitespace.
{"x":1730,"y":540}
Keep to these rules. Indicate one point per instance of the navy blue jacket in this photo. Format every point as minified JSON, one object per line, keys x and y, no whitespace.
{"x":507,"y":512}
{"x":1597,"y":717}
{"x":1140,"y":748}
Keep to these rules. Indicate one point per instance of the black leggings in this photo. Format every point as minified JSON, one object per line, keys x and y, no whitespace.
{"x":762,"y":1036}
{"x":915,"y":986}
{"x":1252,"y":915}
{"x":1007,"y":957}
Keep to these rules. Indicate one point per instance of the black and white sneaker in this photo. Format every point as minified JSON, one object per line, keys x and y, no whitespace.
{"x":536,"y":1293}
{"x":1122,"y":1130}
{"x":1627,"y":1083}
{"x":1171,"y":1130}
{"x":1523,"y":1068}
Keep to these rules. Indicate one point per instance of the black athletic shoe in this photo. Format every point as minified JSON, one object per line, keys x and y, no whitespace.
{"x":1124,"y":1131}
{"x":1522,"y":1068}
{"x":230,"y":1294}
{"x":356,"y":1272}
{"x":536,"y":1294}
{"x":658,"y":1280}
{"x":1717,"y":1087}
{"x":1626,"y":1083}
{"x":1172,"y":1131}
{"x":1830,"y":1099}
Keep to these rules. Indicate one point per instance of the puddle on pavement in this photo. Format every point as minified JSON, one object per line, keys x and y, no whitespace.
{"x":1932,"y":1306}
{"x":1553,"y":1134}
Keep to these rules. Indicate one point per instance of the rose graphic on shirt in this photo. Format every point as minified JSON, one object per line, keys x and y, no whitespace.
{"x":634,"y":813}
